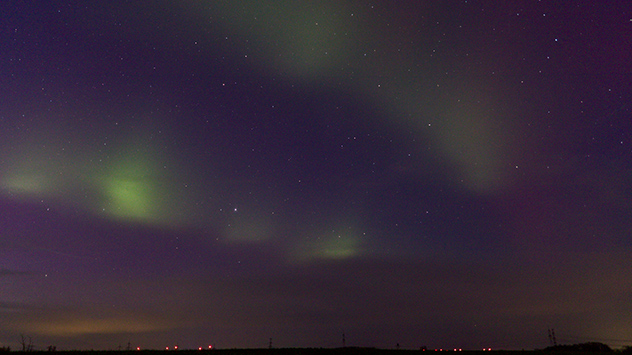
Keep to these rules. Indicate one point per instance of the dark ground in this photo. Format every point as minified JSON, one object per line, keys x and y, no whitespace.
{"x":313,"y":351}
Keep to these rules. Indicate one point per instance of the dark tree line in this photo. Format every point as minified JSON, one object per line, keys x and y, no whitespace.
{"x":586,"y":347}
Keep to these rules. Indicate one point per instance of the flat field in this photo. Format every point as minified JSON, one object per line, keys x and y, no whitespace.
{"x":318,"y":351}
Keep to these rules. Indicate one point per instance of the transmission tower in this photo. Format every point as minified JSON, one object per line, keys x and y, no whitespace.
{"x":552,"y":339}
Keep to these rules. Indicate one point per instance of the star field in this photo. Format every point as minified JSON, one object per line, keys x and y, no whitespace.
{"x":446,"y":174}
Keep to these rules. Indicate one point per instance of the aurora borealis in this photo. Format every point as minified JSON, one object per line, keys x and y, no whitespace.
{"x":449,"y":174}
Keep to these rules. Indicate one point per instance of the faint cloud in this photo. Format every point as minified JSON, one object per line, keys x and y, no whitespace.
{"x":8,"y":272}
{"x":327,"y":246}
{"x":11,"y":307}
{"x":251,"y":228}
{"x":74,"y":327}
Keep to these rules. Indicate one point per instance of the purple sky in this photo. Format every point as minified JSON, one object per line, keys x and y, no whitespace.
{"x":450,"y":174}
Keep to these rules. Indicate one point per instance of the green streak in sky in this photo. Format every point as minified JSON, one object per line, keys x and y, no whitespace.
{"x":130,"y":199}
{"x":130,"y":188}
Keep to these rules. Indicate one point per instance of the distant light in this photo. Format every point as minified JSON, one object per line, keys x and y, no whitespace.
{"x":138,"y":348}
{"x":200,"y":348}
{"x":167,"y":348}
{"x":210,"y":346}
{"x":175,"y":347}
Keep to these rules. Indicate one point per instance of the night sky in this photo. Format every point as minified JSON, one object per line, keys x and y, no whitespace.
{"x":449,"y":174}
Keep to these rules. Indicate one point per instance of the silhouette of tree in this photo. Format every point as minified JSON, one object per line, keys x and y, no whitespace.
{"x":26,"y":346}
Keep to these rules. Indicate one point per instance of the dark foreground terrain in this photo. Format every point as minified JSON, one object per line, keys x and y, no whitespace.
{"x":319,"y":351}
